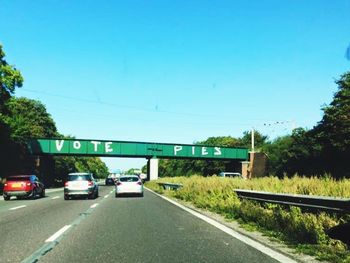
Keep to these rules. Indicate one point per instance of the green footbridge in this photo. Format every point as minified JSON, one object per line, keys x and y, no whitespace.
{"x":148,"y":150}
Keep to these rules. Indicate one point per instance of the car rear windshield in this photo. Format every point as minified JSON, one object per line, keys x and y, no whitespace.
{"x":129,"y":179}
{"x":15,"y":178}
{"x":81,"y":177}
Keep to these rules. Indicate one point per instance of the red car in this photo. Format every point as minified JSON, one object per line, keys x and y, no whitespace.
{"x":23,"y":186}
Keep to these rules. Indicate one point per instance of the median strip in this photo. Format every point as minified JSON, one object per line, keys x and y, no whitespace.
{"x":17,"y":207}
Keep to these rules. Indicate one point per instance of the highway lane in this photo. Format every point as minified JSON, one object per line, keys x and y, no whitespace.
{"x":109,"y":229}
{"x":149,"y":229}
{"x":26,"y":224}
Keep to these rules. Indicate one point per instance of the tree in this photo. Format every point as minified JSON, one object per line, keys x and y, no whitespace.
{"x":276,"y":150}
{"x":10,"y":78}
{"x":334,"y":128}
{"x":28,"y":118}
{"x":25,"y":118}
{"x":323,"y":149}
{"x":333,"y":131}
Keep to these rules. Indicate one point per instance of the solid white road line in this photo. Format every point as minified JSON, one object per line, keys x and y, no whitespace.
{"x":58,"y":233}
{"x":264,"y":249}
{"x":17,"y":207}
{"x":55,"y":197}
{"x":94,"y":205}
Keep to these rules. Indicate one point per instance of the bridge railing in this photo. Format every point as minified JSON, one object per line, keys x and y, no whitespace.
{"x":304,"y":201}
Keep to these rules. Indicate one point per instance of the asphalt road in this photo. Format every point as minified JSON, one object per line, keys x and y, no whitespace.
{"x":109,"y":229}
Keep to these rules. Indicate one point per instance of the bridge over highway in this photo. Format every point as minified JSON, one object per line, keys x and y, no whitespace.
{"x":149,"y":150}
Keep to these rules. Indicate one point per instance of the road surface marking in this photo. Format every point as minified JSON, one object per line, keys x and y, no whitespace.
{"x":94,"y":205}
{"x":106,"y":196}
{"x":17,"y":207}
{"x":58,"y":233}
{"x":55,"y":197}
{"x":258,"y":246}
{"x":54,"y":240}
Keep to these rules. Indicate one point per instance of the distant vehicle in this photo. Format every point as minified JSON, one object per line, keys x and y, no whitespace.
{"x":80,"y":185}
{"x":129,"y":184}
{"x":230,"y":174}
{"x":23,"y":186}
{"x":115,"y":174}
{"x":110,"y":181}
{"x":143,"y":177}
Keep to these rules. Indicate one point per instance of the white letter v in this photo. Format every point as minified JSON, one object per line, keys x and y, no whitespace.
{"x":59,"y":145}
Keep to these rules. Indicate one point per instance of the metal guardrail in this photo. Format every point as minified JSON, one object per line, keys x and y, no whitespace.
{"x":170,"y":186}
{"x":304,"y":201}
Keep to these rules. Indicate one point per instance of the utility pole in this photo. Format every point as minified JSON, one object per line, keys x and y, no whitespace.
{"x":252,"y":139}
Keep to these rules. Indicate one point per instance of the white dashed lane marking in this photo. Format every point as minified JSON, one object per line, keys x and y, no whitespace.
{"x":94,"y":205}
{"x":17,"y":207}
{"x":58,"y":233}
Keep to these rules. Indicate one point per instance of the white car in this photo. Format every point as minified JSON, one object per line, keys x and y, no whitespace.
{"x":230,"y":174}
{"x":129,"y":184}
{"x":80,"y":184}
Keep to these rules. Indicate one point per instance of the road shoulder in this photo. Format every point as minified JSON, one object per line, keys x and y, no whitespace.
{"x":254,"y":235}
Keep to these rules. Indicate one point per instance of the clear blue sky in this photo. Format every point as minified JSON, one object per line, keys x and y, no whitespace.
{"x":177,"y":71}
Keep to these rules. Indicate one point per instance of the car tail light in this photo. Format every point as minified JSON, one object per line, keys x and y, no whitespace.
{"x":119,"y":183}
{"x":139,"y":183}
{"x":66,"y":184}
{"x":90,"y":183}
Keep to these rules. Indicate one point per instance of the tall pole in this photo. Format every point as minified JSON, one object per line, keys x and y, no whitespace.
{"x":252,"y":139}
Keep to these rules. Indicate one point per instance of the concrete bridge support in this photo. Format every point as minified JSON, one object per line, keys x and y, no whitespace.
{"x":152,"y":169}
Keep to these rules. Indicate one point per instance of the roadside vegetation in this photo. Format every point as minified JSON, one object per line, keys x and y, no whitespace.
{"x":302,"y":230}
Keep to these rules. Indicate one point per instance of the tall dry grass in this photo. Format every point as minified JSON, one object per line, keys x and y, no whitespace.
{"x":306,"y":231}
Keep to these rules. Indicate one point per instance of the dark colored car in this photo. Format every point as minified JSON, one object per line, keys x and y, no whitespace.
{"x":80,"y":184}
{"x":23,"y":186}
{"x":109,"y":181}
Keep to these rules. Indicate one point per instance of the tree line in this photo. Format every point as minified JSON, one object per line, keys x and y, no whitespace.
{"x":23,"y":118}
{"x":324,"y":149}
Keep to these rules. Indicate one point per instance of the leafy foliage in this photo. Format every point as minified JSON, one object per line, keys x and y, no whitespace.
{"x":28,"y":118}
{"x":10,"y":78}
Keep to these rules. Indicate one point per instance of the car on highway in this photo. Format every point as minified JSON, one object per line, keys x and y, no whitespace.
{"x":23,"y":186}
{"x":143,"y":177}
{"x":129,"y":184}
{"x":230,"y":174}
{"x":80,"y":185}
{"x":109,"y":181}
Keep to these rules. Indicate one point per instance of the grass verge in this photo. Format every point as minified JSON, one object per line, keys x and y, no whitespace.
{"x":305,"y":232}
